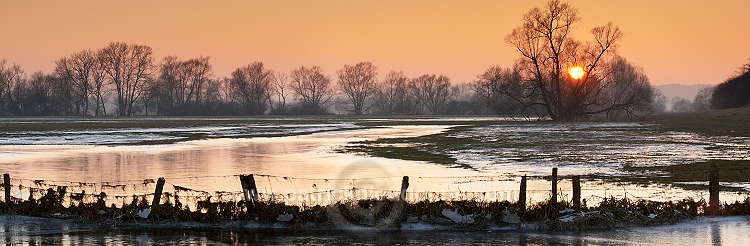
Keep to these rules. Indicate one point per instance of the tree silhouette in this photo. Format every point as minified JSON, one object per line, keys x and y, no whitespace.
{"x":358,"y":82}
{"x":313,"y":89}
{"x":252,"y":85}
{"x":10,"y":77}
{"x":548,"y":50}
{"x":431,"y":92}
{"x":733,"y":93}
{"x":128,"y":67}
{"x":392,"y":95}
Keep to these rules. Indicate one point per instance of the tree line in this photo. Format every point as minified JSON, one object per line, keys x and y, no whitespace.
{"x":125,"y":80}
{"x":732,"y":93}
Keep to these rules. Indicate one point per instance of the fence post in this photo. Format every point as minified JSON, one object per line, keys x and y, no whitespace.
{"x":577,"y":192}
{"x":252,"y":189}
{"x":404,"y":186}
{"x":522,"y":195}
{"x":245,"y":187}
{"x":6,"y":185}
{"x":553,"y":200}
{"x":157,"y":192}
{"x":713,"y":187}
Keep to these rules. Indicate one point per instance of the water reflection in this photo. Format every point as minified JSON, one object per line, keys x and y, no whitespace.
{"x":705,"y":231}
{"x":715,"y":234}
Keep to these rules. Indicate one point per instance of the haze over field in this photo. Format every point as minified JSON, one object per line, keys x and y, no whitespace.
{"x":681,"y":90}
{"x":686,"y":42}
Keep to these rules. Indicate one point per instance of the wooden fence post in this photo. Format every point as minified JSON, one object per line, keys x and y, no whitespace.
{"x":6,"y":186}
{"x":404,"y":186}
{"x":713,"y":187}
{"x":553,"y":200}
{"x":252,"y":189}
{"x":157,"y":192}
{"x":577,"y":192}
{"x":245,"y":187}
{"x":522,"y":195}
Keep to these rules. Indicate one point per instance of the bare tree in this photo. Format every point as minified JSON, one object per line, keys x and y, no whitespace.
{"x":702,"y":100}
{"x":626,"y":91}
{"x":392,"y":95}
{"x":313,"y":88}
{"x":431,"y":91}
{"x":226,"y":90}
{"x":252,"y":85}
{"x":81,"y":70}
{"x":281,"y":90}
{"x":501,"y":90}
{"x":358,"y":82}
{"x":181,"y":84}
{"x":36,"y":96}
{"x":10,"y":77}
{"x":659,"y":105}
{"x":128,"y":67}
{"x":548,"y":50}
{"x":681,"y":105}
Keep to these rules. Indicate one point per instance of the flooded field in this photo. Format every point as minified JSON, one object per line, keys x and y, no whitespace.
{"x":302,"y":158}
{"x":319,"y":161}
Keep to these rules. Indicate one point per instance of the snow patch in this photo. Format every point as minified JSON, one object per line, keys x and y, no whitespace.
{"x":511,"y":218}
{"x":284,"y":217}
{"x":456,"y":217}
{"x":568,"y":218}
{"x":143,"y":213}
{"x":567,"y":210}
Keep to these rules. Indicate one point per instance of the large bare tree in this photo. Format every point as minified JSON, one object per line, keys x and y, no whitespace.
{"x":627,"y":91}
{"x":548,"y":52}
{"x":313,"y":88}
{"x":358,"y":82}
{"x":501,"y":90}
{"x":128,"y":67}
{"x":182,"y":84}
{"x":702,"y":100}
{"x":431,"y":91}
{"x":281,"y":90}
{"x":83,"y":71}
{"x":392,"y":95}
{"x":10,"y":77}
{"x":252,"y":85}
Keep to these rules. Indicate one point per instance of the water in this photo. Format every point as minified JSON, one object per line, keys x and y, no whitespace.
{"x":300,"y":157}
{"x":299,"y":161}
{"x":701,"y":231}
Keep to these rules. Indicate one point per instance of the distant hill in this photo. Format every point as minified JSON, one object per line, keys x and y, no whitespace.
{"x":680,"y":90}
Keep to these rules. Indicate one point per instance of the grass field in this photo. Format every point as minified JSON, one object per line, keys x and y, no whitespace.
{"x":731,"y":122}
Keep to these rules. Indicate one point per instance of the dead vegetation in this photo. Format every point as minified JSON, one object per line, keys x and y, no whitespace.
{"x":381,"y":213}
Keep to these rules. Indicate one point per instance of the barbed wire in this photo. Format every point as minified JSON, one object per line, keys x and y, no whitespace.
{"x":285,"y":188}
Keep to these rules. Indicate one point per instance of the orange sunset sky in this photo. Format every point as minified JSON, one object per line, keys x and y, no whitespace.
{"x":675,"y":41}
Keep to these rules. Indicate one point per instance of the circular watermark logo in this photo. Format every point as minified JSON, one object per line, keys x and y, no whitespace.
{"x":363,"y":197}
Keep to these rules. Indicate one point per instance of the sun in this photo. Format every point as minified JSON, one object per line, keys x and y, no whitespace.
{"x":576,"y":72}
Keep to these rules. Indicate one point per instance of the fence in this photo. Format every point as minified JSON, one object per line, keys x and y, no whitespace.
{"x":289,"y":190}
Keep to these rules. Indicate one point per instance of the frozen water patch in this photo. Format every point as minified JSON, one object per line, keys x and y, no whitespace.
{"x":119,"y":136}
